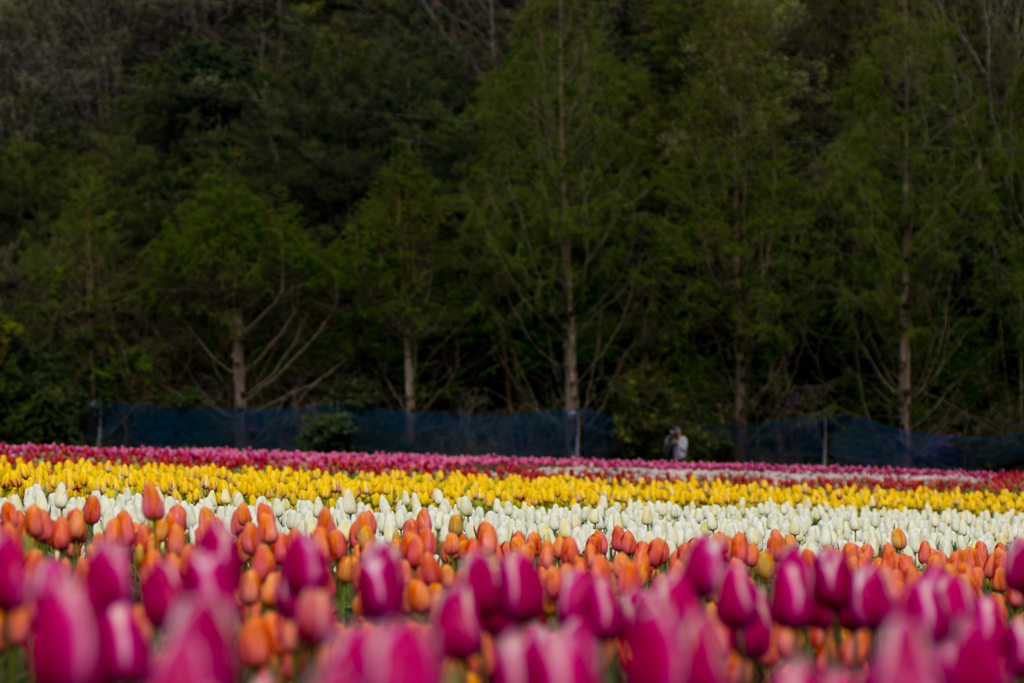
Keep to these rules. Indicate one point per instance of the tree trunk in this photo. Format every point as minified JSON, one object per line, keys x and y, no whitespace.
{"x":409,"y":364}
{"x":571,"y":368}
{"x":238,"y":360}
{"x":739,"y":415}
{"x":904,"y":387}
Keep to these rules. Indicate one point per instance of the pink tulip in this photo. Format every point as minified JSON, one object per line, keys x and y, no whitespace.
{"x":212,"y":574}
{"x":832,"y":578}
{"x":65,"y":644}
{"x":12,"y":573}
{"x":399,"y":653}
{"x":45,"y":577}
{"x":795,"y":671}
{"x":522,"y":594}
{"x":678,"y":593}
{"x":737,"y":597}
{"x":159,"y":590}
{"x":199,"y":643}
{"x":928,"y":605}
{"x":314,"y":614}
{"x":123,"y":653}
{"x":515,"y":650}
{"x":1014,"y":646}
{"x":870,"y":596}
{"x":304,"y":565}
{"x":380,"y":581}
{"x":902,"y":654}
{"x":606,"y":620}
{"x":110,"y":576}
{"x":959,"y":593}
{"x":459,"y":623}
{"x":706,"y":566}
{"x":654,"y":642}
{"x":1015,"y":565}
{"x":792,"y":592}
{"x":567,"y":655}
{"x":975,"y":650}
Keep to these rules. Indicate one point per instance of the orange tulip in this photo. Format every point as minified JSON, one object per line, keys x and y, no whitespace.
{"x":418,"y":596}
{"x":241,"y":517}
{"x":267,"y":528}
{"x":76,"y":525}
{"x":175,"y":539}
{"x":92,"y":510}
{"x":248,"y":587}
{"x":152,"y":502}
{"x":487,"y":537}
{"x":61,"y":538}
{"x":254,"y":643}
{"x":177,"y":514}
{"x":34,"y":524}
{"x":269,"y":588}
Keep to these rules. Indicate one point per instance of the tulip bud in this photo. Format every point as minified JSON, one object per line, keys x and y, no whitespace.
{"x":521,"y":589}
{"x":487,"y":537}
{"x":76,"y":525}
{"x":110,"y":576}
{"x":765,"y":566}
{"x":304,"y":565}
{"x":418,"y":596}
{"x":35,"y":525}
{"x":380,"y":581}
{"x":337,"y":544}
{"x":267,"y":528}
{"x":12,"y":573}
{"x":91,"y":511}
{"x":61,"y":538}
{"x":123,"y":652}
{"x":459,"y":624}
{"x":254,"y":643}
{"x":832,"y":578}
{"x":737,"y":598}
{"x":314,"y":614}
{"x":792,"y":593}
{"x":65,"y":644}
{"x":152,"y":502}
{"x":899,"y":539}
{"x":159,"y":590}
{"x":455,"y":525}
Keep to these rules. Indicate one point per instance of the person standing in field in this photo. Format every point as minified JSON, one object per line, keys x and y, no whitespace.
{"x":676,"y":444}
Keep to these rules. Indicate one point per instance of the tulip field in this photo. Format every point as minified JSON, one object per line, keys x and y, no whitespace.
{"x":223,"y":565}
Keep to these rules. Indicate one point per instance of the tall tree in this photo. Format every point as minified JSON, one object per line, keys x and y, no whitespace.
{"x":904,"y":177}
{"x":560,"y":175}
{"x":739,"y":221}
{"x":241,"y":276}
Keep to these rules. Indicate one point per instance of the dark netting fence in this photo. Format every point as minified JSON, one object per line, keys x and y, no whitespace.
{"x":552,"y":433}
{"x":841,"y":440}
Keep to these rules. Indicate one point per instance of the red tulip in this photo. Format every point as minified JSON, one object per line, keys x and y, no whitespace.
{"x":459,"y":624}
{"x":380,"y":581}
{"x":65,"y":644}
{"x":123,"y":653}
{"x":110,"y":576}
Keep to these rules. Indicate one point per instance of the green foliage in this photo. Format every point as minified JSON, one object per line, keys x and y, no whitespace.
{"x":326,"y":432}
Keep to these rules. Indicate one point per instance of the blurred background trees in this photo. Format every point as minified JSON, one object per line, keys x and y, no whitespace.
{"x":701,"y":212}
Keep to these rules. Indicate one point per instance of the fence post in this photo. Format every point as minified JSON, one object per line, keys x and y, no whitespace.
{"x":824,"y":444}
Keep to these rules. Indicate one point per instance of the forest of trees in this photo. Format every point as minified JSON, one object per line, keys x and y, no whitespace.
{"x":671,"y":211}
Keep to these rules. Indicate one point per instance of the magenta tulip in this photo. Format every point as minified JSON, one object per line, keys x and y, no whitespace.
{"x":484,"y":578}
{"x":606,"y":620}
{"x":755,"y":638}
{"x":568,"y":655}
{"x":902,"y":653}
{"x":654,"y":642}
{"x":522,"y":594}
{"x":975,"y":650}
{"x":928,"y":605}
{"x":65,"y":643}
{"x":959,"y":594}
{"x":870,"y":596}
{"x":110,"y":576}
{"x":792,"y":592}
{"x":832,"y":578}
{"x":159,"y":590}
{"x":737,"y":597}
{"x":399,"y":653}
{"x":795,"y":671}
{"x":12,"y":573}
{"x":678,"y":592}
{"x":304,"y":565}
{"x":211,"y":574}
{"x":199,"y":643}
{"x":123,"y":653}
{"x":459,"y":623}
{"x":380,"y":581}
{"x":1014,"y":646}
{"x":515,"y":651}
{"x":706,"y":566}
{"x":1015,"y":565}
